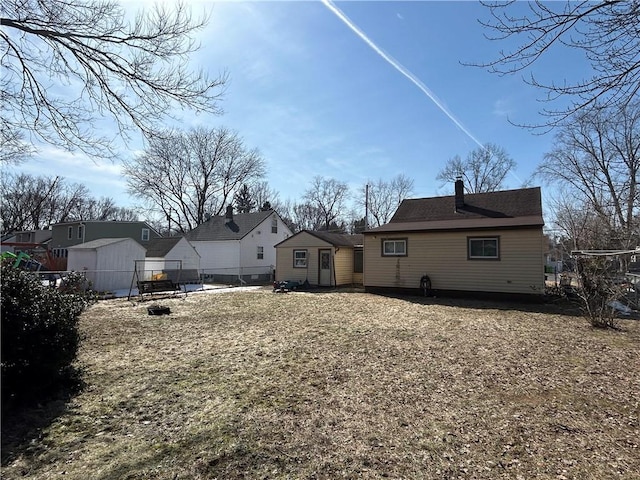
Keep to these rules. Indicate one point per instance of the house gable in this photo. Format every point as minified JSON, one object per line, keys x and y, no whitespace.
{"x":221,"y":228}
{"x":244,"y":240}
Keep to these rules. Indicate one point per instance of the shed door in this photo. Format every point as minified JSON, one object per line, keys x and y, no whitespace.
{"x":325,"y":268}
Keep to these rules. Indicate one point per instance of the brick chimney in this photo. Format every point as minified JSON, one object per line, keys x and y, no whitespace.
{"x":459,"y":194}
{"x":228,"y":217}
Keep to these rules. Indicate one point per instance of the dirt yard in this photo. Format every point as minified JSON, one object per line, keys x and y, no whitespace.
{"x":342,"y":385}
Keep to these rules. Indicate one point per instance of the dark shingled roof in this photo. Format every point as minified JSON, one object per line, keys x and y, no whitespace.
{"x":335,"y":239}
{"x":507,"y":208}
{"x":159,"y":247}
{"x":216,"y":228}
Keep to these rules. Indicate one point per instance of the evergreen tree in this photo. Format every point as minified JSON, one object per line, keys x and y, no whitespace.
{"x":243,"y":200}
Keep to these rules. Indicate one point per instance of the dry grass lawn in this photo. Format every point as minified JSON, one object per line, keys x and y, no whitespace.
{"x":343,"y":385}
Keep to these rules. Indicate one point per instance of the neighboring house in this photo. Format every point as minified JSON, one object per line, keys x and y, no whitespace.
{"x":109,"y":263}
{"x":239,"y":247}
{"x":32,"y":242}
{"x":14,"y":241}
{"x":65,"y":235}
{"x":173,"y":257}
{"x":321,"y":258}
{"x":485,"y":243}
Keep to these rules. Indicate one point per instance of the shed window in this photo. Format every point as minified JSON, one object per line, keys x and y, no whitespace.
{"x":145,"y":234}
{"x":300,"y":259}
{"x":396,"y":247}
{"x":483,"y":248}
{"x":260,"y":253}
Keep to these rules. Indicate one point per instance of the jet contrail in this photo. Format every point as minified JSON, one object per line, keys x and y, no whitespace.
{"x":398,"y":66}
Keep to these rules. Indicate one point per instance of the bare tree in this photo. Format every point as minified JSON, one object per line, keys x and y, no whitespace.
{"x":385,"y":197}
{"x":484,"y":170}
{"x":133,"y":73}
{"x":286,"y":211}
{"x":605,"y":32}
{"x":33,"y":203}
{"x":101,"y":209}
{"x":307,"y":216}
{"x":596,"y":157}
{"x":328,"y":196}
{"x":578,"y":224}
{"x":185,"y":176}
{"x":14,"y":149}
{"x":263,"y":195}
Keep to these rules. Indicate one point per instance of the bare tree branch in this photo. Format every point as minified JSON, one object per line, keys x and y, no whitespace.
{"x":606,"y":33}
{"x":70,"y":64}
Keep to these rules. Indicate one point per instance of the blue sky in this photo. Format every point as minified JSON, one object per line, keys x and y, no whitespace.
{"x":318,"y":99}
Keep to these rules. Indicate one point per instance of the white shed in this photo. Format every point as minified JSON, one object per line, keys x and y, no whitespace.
{"x":173,"y":256}
{"x":107,"y":262}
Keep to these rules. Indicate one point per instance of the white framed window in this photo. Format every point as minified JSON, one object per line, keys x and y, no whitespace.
{"x":274,"y":225}
{"x":394,"y":247}
{"x":80,"y":231}
{"x":260,"y":253}
{"x":70,"y":233}
{"x":483,"y":248}
{"x":145,"y":234}
{"x":299,"y":259}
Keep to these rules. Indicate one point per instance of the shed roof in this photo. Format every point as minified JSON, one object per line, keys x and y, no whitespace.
{"x":335,"y":239}
{"x":507,"y":208}
{"x":217,"y":228}
{"x":101,"y":242}
{"x":159,"y":247}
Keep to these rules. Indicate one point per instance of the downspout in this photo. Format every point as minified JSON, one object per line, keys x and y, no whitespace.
{"x":241,"y":281}
{"x":333,"y":266}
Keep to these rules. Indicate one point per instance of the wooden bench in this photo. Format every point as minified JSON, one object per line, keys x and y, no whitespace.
{"x":156,"y":286}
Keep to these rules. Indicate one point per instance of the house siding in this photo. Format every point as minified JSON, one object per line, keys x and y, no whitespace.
{"x":343,"y":263}
{"x":284,"y":258}
{"x":218,"y":254}
{"x":94,"y":230}
{"x":266,"y":239}
{"x":443,"y":256}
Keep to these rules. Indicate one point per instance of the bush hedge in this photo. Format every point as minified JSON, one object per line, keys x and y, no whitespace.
{"x":39,"y":333}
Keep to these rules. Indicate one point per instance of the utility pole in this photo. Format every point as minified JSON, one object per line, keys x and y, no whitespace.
{"x":366,"y":207}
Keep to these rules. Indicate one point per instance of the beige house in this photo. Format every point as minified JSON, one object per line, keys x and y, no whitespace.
{"x":485,"y":243}
{"x":322,"y":258}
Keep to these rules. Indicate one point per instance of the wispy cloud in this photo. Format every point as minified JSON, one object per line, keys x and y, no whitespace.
{"x":400,"y":68}
{"x":502,"y":108}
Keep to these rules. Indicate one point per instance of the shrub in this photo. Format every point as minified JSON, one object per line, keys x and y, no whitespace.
{"x":598,"y":291}
{"x":39,"y":334}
